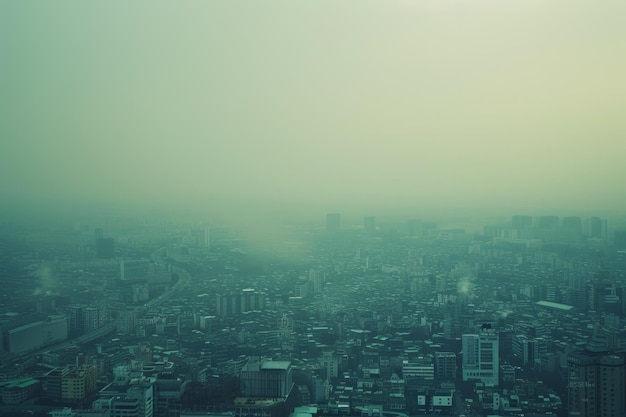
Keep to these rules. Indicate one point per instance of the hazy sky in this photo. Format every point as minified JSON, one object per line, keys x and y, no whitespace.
{"x":447,"y":103}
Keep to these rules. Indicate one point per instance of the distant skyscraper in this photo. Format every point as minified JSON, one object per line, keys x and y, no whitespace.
{"x":547,"y":227}
{"x":595,"y":227}
{"x":548,"y":222}
{"x":232,"y":304}
{"x":369,"y":224}
{"x":596,"y":384}
{"x":572,"y":227}
{"x":481,"y":356}
{"x":318,"y":278}
{"x":333,"y":222}
{"x":207,"y":237}
{"x":522,"y":222}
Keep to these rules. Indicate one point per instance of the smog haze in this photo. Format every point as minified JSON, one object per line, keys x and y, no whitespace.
{"x":465,"y":104}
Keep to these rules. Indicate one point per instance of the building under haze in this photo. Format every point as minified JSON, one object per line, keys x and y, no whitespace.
{"x":595,"y":227}
{"x":445,"y":366}
{"x":83,"y":319}
{"x":369,"y":224}
{"x":233,"y":304}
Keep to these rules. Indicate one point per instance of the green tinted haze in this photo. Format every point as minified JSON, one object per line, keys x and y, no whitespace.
{"x":443,"y":103}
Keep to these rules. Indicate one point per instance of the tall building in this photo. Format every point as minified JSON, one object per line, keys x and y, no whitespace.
{"x":233,"y":304}
{"x":79,"y":384}
{"x":318,"y":278}
{"x":445,"y":366}
{"x":201,"y":238}
{"x":481,"y":357}
{"x":83,"y":319}
{"x":528,"y":351}
{"x":369,"y":224}
{"x":596,"y":383}
{"x":53,"y":387}
{"x":91,"y":319}
{"x":207,"y":237}
{"x":333,"y":222}
{"x":330,"y":361}
{"x":548,"y":222}
{"x":572,"y":227}
{"x":522,"y":222}
{"x":522,"y":226}
{"x":547,"y":227}
{"x":595,"y":227}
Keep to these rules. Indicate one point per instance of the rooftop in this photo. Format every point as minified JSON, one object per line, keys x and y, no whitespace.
{"x":19,"y":383}
{"x":558,"y":306}
{"x":284,"y":365}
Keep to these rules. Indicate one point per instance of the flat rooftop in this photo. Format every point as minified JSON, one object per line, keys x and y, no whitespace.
{"x":558,"y":306}
{"x":281,"y":365}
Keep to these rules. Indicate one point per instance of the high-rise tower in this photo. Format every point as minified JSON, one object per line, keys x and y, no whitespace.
{"x":369,"y":224}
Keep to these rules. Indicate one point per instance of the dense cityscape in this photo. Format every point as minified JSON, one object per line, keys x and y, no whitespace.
{"x":146,"y":317}
{"x":278,"y":208}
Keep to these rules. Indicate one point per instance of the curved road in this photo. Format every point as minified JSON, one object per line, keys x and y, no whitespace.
{"x":157,"y":257}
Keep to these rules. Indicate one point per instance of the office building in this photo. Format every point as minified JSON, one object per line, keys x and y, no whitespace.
{"x":445,"y":366}
{"x":481,"y":356}
{"x":330,"y":361}
{"x":233,"y":304}
{"x":53,"y":387}
{"x":79,"y":384}
{"x":547,"y":227}
{"x":595,"y":227}
{"x":528,"y":351}
{"x":421,"y":368}
{"x":369,"y":224}
{"x":83,"y":319}
{"x":318,"y":278}
{"x":265,"y":378}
